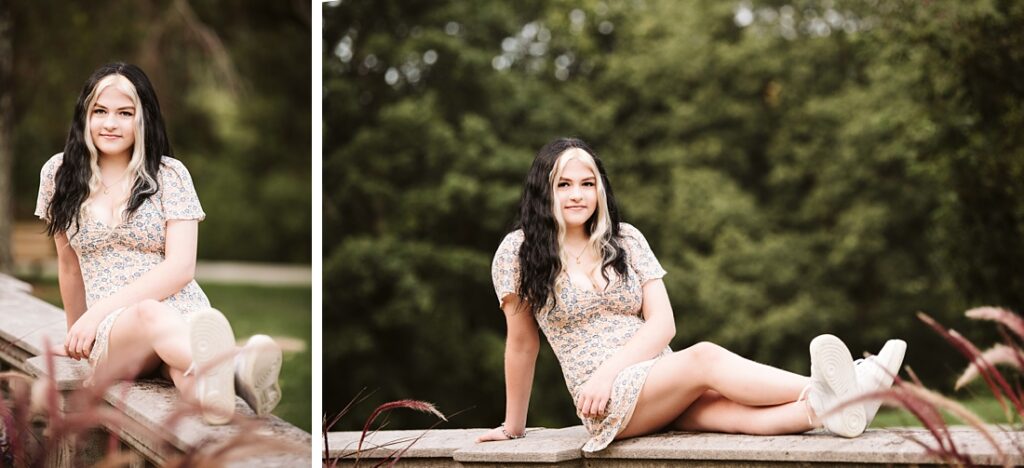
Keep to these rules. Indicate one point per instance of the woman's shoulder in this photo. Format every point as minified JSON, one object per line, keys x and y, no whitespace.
{"x":172,"y":163}
{"x":632,"y":239}
{"x":628,"y":230}
{"x":171,"y":167}
{"x":53,"y":163}
{"x":511,"y":242}
{"x":514,"y":236}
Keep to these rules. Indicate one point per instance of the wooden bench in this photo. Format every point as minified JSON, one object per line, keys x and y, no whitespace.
{"x":33,"y":250}
{"x":27,"y":321}
{"x":562,"y":448}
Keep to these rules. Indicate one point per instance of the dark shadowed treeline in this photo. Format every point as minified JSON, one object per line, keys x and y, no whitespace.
{"x":233,"y":81}
{"x":798,"y":167}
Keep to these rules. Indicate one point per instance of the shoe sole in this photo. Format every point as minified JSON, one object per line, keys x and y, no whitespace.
{"x":891,"y":358}
{"x":212,"y":343}
{"x":831,"y":360}
{"x":258,"y":378}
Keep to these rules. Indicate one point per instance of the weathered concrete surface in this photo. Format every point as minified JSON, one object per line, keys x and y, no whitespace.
{"x":27,"y":322}
{"x":68,"y":373}
{"x":14,"y":284}
{"x":561,"y":447}
{"x":540,"y":445}
{"x":876,"y":446}
{"x":430,"y":444}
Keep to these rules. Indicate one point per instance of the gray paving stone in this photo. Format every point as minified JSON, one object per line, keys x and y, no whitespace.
{"x":430,"y":443}
{"x":562,"y":447}
{"x":540,"y":445}
{"x":28,"y":322}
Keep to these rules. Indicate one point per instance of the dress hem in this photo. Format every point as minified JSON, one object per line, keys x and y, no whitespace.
{"x":629,"y":413}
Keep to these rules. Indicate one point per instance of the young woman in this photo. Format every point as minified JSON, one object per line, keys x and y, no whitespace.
{"x":124,"y":216}
{"x":593,"y":286}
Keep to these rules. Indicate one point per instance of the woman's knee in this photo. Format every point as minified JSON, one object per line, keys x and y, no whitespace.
{"x":149,"y":311}
{"x":706,"y":351}
{"x":701,"y":357}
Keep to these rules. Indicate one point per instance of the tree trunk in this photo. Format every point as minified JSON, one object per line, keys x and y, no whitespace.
{"x":6,"y":147}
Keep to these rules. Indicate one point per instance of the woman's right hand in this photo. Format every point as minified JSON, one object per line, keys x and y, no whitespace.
{"x":81,"y":336}
{"x":58,"y":350}
{"x":492,"y":435}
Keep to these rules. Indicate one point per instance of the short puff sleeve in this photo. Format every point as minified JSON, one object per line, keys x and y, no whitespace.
{"x":47,"y":185}
{"x":639,"y":255}
{"x":505,"y":267}
{"x":177,"y":194}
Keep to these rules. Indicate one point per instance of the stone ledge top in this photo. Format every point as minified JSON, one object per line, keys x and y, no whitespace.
{"x":35,"y":322}
{"x":884,"y":446}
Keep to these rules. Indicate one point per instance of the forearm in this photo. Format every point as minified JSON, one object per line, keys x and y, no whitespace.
{"x":163,"y":280}
{"x":648,"y":341}
{"x":652,"y":337}
{"x":72,"y":291}
{"x":520,"y":362}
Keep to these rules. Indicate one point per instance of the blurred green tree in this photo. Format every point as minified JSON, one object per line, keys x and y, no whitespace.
{"x":233,"y":85}
{"x":799,"y":167}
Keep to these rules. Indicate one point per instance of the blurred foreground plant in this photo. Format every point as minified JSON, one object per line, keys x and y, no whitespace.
{"x":927,"y":405}
{"x":394,"y":456}
{"x":41,"y":427}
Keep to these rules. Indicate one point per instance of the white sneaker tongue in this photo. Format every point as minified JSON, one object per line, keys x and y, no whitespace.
{"x":814,"y":398}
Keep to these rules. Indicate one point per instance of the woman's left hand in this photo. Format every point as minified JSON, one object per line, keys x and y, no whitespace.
{"x":81,"y":336}
{"x":594,"y":394}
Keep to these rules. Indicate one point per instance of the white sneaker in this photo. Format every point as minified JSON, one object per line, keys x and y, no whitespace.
{"x":212,"y":343}
{"x":834,"y":381}
{"x":257,"y":367}
{"x":876,"y":373}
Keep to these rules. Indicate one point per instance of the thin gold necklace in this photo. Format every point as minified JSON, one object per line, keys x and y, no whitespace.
{"x":106,"y":188}
{"x":580,"y":255}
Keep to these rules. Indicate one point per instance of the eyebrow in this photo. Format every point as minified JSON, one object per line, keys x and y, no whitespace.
{"x":119,"y":108}
{"x":585,"y":178}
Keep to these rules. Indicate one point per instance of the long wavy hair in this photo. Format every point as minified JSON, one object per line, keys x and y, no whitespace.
{"x":542,"y":255}
{"x":79,"y":174}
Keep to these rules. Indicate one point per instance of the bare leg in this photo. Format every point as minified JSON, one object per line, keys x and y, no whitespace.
{"x":712,"y":412}
{"x":677,"y":381}
{"x":184,"y":384}
{"x":145,"y":336}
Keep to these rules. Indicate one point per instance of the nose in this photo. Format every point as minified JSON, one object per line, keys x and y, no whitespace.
{"x":109,"y":121}
{"x":577,"y":193}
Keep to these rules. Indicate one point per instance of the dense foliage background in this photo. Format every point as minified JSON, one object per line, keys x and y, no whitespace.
{"x":799,"y":167}
{"x":233,"y":81}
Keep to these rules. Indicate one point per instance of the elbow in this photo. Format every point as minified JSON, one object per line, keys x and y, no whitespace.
{"x":184,"y":272}
{"x":668,"y":331}
{"x":525,"y":343}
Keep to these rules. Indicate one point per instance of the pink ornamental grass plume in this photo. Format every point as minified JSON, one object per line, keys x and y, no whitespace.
{"x":395,"y":455}
{"x":998,"y":354}
{"x":997,"y":384}
{"x":998,"y":314}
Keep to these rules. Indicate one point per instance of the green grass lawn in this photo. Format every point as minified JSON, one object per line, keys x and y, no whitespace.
{"x":984,"y":406}
{"x":282,"y":312}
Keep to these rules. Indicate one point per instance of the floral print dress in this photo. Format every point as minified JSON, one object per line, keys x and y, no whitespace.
{"x":586,"y":327}
{"x":111,"y":257}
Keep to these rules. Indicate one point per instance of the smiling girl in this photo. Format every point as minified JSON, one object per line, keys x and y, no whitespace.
{"x":593,"y":286}
{"x":124,"y":216}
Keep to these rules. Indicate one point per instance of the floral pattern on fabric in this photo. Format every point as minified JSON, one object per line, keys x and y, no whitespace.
{"x":112,"y":257}
{"x":586,"y":327}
